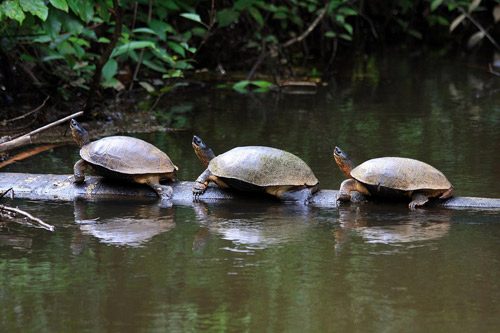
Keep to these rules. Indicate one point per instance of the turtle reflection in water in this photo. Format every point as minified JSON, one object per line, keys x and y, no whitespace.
{"x":393,"y":177}
{"x":256,"y":169}
{"x":123,"y":158}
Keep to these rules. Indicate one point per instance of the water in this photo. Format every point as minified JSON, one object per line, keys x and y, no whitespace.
{"x":265,"y":266}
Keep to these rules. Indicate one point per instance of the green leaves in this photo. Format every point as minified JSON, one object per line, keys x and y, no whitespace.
{"x":17,"y":9}
{"x":60,"y":4}
{"x":247,"y":86}
{"x":12,"y":9}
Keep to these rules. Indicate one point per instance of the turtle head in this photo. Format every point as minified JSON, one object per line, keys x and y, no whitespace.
{"x":80,"y":135}
{"x":343,"y":161}
{"x":202,"y":151}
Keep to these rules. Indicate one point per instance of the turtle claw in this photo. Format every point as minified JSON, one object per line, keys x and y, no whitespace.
{"x":164,"y":192}
{"x":198,"y":189}
{"x":77,"y":179}
{"x":343,"y":197}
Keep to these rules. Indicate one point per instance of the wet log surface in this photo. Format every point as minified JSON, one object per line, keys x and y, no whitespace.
{"x":61,"y":188}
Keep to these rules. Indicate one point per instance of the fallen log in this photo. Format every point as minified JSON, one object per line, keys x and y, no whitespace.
{"x":61,"y":188}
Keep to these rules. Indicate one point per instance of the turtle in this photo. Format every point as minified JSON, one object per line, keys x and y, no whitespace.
{"x":123,"y":158}
{"x":392,"y":177}
{"x":256,"y":169}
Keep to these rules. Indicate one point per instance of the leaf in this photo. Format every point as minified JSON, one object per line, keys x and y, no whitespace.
{"x":456,"y":22}
{"x":241,"y":86}
{"x":147,"y":86}
{"x":154,"y":66}
{"x":60,"y":4}
{"x":330,"y":34}
{"x":109,"y":70}
{"x":435,"y":4}
{"x":496,"y":13}
{"x":177,"y":48}
{"x":83,"y":8}
{"x":36,"y":8}
{"x":122,"y":49}
{"x":226,"y":17}
{"x":244,"y":85}
{"x":475,"y":39}
{"x":473,"y":5}
{"x":348,"y":28}
{"x":12,"y":10}
{"x":257,"y":16}
{"x":144,"y":30}
{"x":103,"y":40}
{"x":160,"y":28}
{"x":192,"y":16}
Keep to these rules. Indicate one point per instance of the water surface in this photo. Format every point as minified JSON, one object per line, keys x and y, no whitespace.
{"x":257,"y":265}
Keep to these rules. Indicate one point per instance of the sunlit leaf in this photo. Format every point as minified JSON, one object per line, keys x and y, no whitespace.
{"x":456,"y":22}
{"x":473,"y":5}
{"x":145,"y":30}
{"x":192,"y":16}
{"x":475,"y":39}
{"x":496,"y":13}
{"x":147,"y":86}
{"x":36,"y":8}
{"x":60,"y":4}
{"x":12,"y":10}
{"x":122,"y":49}
{"x":245,"y":86}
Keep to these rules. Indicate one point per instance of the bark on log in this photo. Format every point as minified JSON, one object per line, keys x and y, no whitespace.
{"x":60,"y":188}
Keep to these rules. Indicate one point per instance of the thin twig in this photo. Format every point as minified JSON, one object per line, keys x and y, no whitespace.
{"x":31,"y":218}
{"x":141,"y":55}
{"x":29,"y":113}
{"x":309,"y":29}
{"x":480,"y":27}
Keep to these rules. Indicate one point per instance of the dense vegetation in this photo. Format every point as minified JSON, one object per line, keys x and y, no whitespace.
{"x":66,"y":47}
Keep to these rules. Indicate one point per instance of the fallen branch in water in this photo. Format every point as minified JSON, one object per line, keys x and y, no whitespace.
{"x":12,"y":213}
{"x":26,"y":139}
{"x":26,"y":154}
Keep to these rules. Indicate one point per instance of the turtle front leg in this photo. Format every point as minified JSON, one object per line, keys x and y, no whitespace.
{"x":418,"y":200}
{"x":347,"y":187}
{"x":201,"y":183}
{"x":165,"y":192}
{"x":79,"y":171}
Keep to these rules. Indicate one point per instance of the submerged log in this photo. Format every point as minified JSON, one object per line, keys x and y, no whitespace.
{"x":61,"y":188}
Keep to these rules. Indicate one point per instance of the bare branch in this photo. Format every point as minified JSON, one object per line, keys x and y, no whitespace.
{"x":32,"y":220}
{"x":26,"y":138}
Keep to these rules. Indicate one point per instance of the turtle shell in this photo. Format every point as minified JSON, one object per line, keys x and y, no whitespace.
{"x":127,"y":155}
{"x":400,"y":173}
{"x":263,"y":166}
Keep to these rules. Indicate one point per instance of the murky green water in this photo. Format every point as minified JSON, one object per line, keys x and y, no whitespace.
{"x":257,"y":266}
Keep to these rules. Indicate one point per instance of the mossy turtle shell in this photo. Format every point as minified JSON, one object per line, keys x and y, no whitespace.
{"x":263,"y":166}
{"x":400,"y":173}
{"x":127,"y":155}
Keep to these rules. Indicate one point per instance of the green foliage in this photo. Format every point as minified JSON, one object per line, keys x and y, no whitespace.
{"x":63,"y":40}
{"x":68,"y":36}
{"x":246,"y":86}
